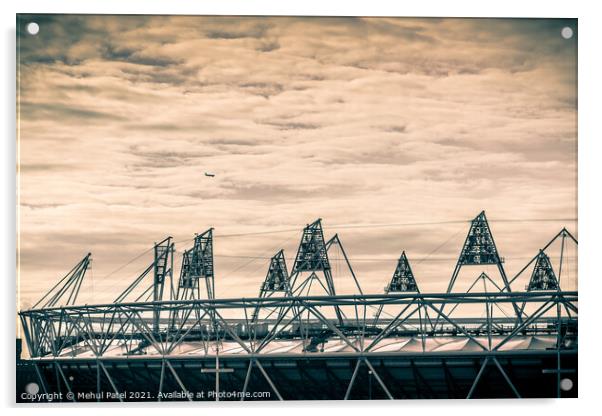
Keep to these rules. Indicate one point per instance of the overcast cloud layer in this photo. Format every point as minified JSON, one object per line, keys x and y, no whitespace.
{"x":356,"y":121}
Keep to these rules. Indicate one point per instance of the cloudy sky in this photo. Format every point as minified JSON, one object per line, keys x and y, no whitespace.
{"x":394,"y":131}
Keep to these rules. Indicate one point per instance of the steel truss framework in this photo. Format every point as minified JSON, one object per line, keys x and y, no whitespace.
{"x":57,"y":336}
{"x":166,"y":342}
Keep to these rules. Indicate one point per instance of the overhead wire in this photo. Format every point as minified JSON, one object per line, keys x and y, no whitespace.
{"x":254,"y":258}
{"x":338,"y":226}
{"x":397,"y":224}
{"x":342,"y":226}
{"x":357,"y":259}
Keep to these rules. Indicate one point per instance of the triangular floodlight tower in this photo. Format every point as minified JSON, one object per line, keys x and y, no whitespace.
{"x":276,"y":282}
{"x":197,"y":264}
{"x":543,"y":269}
{"x":480,"y":250}
{"x":403,"y":281}
{"x":543,"y":276}
{"x":565,"y":235}
{"x":312,"y":258}
{"x":65,"y":292}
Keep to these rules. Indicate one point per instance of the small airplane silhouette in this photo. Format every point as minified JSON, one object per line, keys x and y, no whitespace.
{"x":211,"y":175}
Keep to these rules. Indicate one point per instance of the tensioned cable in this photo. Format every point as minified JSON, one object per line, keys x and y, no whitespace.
{"x":254,"y":258}
{"x":343,"y":226}
{"x":128,"y":263}
{"x":346,"y":226}
{"x":439,"y":247}
{"x":353,"y":260}
{"x":106,"y":290}
{"x":133,"y":259}
{"x":399,"y":224}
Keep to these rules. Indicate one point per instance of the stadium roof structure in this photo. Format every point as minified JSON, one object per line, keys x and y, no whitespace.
{"x":258,"y":343}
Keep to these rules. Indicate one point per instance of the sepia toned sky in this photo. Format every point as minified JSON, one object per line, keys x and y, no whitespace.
{"x":395,"y":131}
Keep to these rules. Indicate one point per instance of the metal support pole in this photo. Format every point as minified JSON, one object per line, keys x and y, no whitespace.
{"x":376,"y":376}
{"x":352,"y":381}
{"x":269,"y":380}
{"x":247,"y":378}
{"x":173,"y":371}
{"x":477,"y":378}
{"x":497,"y":363}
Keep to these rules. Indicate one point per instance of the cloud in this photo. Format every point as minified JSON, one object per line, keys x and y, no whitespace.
{"x":293,"y":125}
{"x":64,"y":112}
{"x":353,"y":120}
{"x":268,"y":46}
{"x":43,"y":167}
